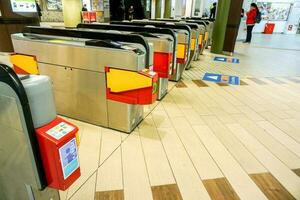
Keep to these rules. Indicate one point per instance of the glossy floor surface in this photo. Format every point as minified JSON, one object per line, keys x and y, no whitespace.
{"x":205,"y":140}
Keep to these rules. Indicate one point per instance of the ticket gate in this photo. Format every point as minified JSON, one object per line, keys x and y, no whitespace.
{"x":195,"y":31}
{"x":99,"y":78}
{"x":183,"y":46}
{"x":204,"y":36}
{"x":209,"y":27}
{"x":195,"y":36}
{"x":164,"y":45}
{"x":29,"y":171}
{"x":198,"y":28}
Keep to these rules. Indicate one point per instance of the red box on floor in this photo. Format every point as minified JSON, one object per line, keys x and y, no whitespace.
{"x":59,"y":152}
{"x":269,"y":28}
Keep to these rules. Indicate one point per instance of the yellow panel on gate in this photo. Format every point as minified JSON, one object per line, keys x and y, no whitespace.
{"x":26,"y":63}
{"x":200,"y":38}
{"x":193,"y":43}
{"x":122,"y":80}
{"x":206,"y":36}
{"x":181,"y":51}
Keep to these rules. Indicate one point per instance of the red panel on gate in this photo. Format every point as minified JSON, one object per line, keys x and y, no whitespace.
{"x":143,"y":96}
{"x":161,"y":64}
{"x":54,"y":138}
{"x":93,"y":16}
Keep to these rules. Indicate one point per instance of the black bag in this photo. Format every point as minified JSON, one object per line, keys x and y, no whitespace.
{"x":258,"y":17}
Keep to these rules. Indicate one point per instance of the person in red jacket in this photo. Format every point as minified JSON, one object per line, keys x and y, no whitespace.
{"x":250,"y":22}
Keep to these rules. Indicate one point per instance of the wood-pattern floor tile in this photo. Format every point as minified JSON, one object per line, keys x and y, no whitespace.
{"x":243,"y":82}
{"x":186,"y":176}
{"x":200,"y":83}
{"x":222,"y":84}
{"x":166,"y":192}
{"x":110,"y":195}
{"x":181,"y":84}
{"x":280,"y":171}
{"x":135,"y":175}
{"x":220,"y":189}
{"x":271,"y":187}
{"x":297,"y":171}
{"x":273,"y":145}
{"x":85,"y":191}
{"x":154,"y":155}
{"x":235,"y":174}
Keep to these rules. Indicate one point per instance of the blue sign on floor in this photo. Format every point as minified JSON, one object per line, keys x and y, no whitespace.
{"x":219,"y":78}
{"x":212,"y":77}
{"x":224,"y":59}
{"x":234,"y":80}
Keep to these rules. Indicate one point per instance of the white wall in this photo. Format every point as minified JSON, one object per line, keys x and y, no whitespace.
{"x":188,"y":9}
{"x":280,"y":26}
{"x":294,"y":18}
{"x":207,"y":4}
{"x":88,"y":4}
{"x":178,"y":8}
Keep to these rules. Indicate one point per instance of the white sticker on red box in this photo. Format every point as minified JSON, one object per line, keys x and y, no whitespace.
{"x":60,"y":130}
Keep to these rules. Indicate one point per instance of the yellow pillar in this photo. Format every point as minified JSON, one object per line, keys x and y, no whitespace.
{"x":72,"y":12}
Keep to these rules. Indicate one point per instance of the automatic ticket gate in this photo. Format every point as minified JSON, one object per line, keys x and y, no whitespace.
{"x":164,"y":45}
{"x":203,"y":37}
{"x":199,"y":34}
{"x":183,"y":43}
{"x":99,"y":78}
{"x":38,"y":150}
{"x":195,"y":34}
{"x":209,"y":24}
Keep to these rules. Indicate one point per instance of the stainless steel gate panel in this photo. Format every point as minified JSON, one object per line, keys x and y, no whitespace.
{"x":124,"y":117}
{"x":18,"y":169}
{"x":66,"y":53}
{"x":163,"y":87}
{"x":79,"y":94}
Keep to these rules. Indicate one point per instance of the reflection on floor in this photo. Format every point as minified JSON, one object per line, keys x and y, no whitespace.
{"x":204,"y":140}
{"x":277,"y":41}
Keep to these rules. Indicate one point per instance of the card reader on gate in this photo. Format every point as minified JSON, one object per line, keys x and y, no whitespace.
{"x":57,"y":138}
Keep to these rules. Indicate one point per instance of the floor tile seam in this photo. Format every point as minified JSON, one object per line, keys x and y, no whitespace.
{"x":185,"y":150}
{"x":292,"y":137}
{"x":165,"y":152}
{"x":259,"y":140}
{"x":264,"y":165}
{"x":201,"y":142}
{"x":233,"y":157}
{"x":144,"y":158}
{"x":241,"y":143}
{"x":100,"y":150}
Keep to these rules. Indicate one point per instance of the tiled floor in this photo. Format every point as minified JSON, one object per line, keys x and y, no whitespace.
{"x":203,"y":140}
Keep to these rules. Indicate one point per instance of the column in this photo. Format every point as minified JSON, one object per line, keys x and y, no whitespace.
{"x":72,"y":12}
{"x":168,"y":8}
{"x":158,"y":9}
{"x":220,"y":26}
{"x":232,"y":28}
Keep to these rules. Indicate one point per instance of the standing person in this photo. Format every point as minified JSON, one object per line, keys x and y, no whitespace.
{"x":84,"y":8}
{"x":130,"y":13}
{"x":213,"y":10}
{"x":251,"y":20}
